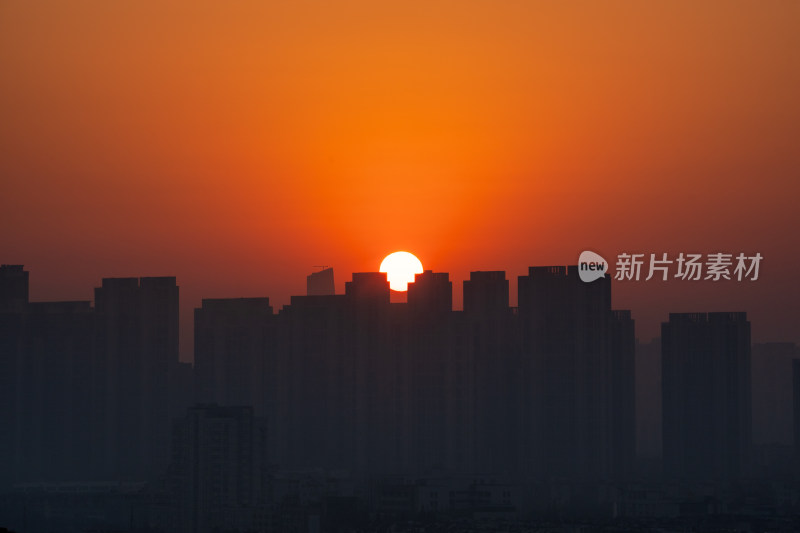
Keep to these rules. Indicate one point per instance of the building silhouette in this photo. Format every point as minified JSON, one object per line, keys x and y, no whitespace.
{"x":13,"y":288}
{"x":46,"y":385}
{"x":567,"y":334}
{"x":622,"y":353}
{"x":313,"y":388}
{"x":56,"y":426}
{"x":796,"y":409}
{"x":137,"y":352}
{"x":648,"y":402}
{"x":415,"y":388}
{"x":432,"y":373}
{"x":217,"y":468}
{"x":13,"y":305}
{"x":320,"y":283}
{"x":492,"y":358}
{"x":706,"y":395}
{"x":772,"y":392}
{"x":233,"y":339}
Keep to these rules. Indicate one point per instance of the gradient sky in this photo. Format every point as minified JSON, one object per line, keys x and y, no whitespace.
{"x":237,"y":144}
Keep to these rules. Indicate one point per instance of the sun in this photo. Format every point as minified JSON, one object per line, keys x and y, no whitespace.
{"x":400,"y":268}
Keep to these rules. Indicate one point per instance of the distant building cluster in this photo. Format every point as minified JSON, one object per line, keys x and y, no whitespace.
{"x":356,"y":383}
{"x":88,"y":393}
{"x":410,"y":406}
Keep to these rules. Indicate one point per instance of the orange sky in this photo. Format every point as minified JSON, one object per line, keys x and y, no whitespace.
{"x":235,"y":145}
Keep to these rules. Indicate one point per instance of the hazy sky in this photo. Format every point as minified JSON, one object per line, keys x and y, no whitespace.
{"x":237,"y":144}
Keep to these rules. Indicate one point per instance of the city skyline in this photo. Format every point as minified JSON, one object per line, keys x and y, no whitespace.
{"x":544,"y":396}
{"x":390,"y":266}
{"x":648,"y":314}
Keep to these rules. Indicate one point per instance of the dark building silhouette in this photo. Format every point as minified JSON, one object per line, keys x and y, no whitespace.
{"x":436,"y":403}
{"x":320,"y":283}
{"x":491,"y":379}
{"x":137,"y":352}
{"x":13,"y":305}
{"x":217,"y":468}
{"x":772,"y":392}
{"x":49,"y":433}
{"x":233,"y":339}
{"x":431,"y":294}
{"x":796,"y":409}
{"x":368,"y":336}
{"x":486,"y":294}
{"x":374,"y":387}
{"x":56,"y":427}
{"x":648,"y":402}
{"x":13,"y":288}
{"x":313,"y":403}
{"x":706,"y":395}
{"x":622,"y":353}
{"x":46,"y":385}
{"x":565,"y":328}
{"x":88,"y":393}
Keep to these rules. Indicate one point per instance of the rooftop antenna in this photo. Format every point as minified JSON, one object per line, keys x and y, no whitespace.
{"x":321,"y":267}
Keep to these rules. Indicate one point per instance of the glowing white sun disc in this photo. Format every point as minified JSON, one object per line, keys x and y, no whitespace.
{"x":400,"y":268}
